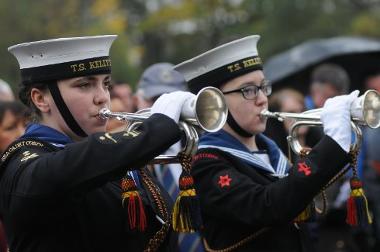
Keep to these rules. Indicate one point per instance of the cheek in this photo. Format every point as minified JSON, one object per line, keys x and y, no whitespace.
{"x":243,"y":109}
{"x":242,"y":113}
{"x":78,"y":105}
{"x":82,"y":116}
{"x":246,"y":115}
{"x":6,"y":138}
{"x":79,"y":112}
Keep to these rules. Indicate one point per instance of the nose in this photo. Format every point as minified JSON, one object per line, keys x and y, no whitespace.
{"x":102,"y":95}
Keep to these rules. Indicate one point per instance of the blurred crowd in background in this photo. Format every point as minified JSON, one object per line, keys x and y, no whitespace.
{"x":164,"y":31}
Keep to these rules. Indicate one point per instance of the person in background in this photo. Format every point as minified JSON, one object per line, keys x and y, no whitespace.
{"x":66,"y":184}
{"x":156,"y":80}
{"x":13,"y":120}
{"x":371,"y":163}
{"x":330,"y":80}
{"x":124,"y":92}
{"x":327,"y":80}
{"x":6,"y":93}
{"x":249,"y":195}
{"x":292,"y":101}
{"x":121,"y":101}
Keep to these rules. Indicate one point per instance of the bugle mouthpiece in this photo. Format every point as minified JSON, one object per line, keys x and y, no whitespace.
{"x":104,"y":112}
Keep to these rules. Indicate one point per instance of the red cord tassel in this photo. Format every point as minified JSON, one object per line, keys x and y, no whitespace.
{"x":357,"y":205}
{"x":135,"y":206}
{"x":186,"y":215}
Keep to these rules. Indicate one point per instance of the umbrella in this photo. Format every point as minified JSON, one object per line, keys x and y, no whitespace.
{"x":292,"y":68}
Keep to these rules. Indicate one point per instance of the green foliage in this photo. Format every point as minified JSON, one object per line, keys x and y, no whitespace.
{"x":175,"y":30}
{"x":366,"y":24}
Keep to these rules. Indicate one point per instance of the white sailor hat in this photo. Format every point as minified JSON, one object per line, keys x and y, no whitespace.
{"x":223,"y":63}
{"x":62,"y":58}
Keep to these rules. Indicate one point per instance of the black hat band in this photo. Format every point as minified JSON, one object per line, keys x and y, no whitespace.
{"x":92,"y":66}
{"x":225,"y":73}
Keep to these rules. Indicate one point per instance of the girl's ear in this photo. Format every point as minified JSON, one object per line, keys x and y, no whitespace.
{"x":40,"y":99}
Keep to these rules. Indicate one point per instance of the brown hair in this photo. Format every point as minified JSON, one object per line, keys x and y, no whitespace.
{"x":24,"y":95}
{"x":332,"y":74}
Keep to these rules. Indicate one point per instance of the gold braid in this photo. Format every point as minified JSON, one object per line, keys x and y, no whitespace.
{"x":236,"y":245}
{"x":159,"y":237}
{"x":185,"y":161}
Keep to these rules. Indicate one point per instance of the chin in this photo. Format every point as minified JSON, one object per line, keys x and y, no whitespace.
{"x":259,"y":129}
{"x":96,"y":130}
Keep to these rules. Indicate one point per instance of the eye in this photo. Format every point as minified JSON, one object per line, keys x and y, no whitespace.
{"x":107,"y":85}
{"x":11,"y":127}
{"x":250,"y":92}
{"x":267,"y":89}
{"x":84,"y":85}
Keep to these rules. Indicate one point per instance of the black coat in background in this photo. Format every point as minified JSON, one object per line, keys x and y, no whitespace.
{"x":238,"y":200}
{"x":70,"y":199}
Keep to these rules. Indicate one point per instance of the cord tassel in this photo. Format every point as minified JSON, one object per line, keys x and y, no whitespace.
{"x":186,"y":215}
{"x":135,"y":207}
{"x":357,"y":205}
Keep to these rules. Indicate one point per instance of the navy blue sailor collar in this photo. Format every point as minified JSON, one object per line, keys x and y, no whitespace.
{"x":46,"y":133}
{"x":226,"y":142}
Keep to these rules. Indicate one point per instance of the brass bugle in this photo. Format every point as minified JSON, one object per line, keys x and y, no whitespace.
{"x":365,"y":110}
{"x":207,"y":110}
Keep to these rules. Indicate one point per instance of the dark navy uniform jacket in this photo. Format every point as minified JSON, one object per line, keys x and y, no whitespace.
{"x":240,"y":197}
{"x":69,"y":199}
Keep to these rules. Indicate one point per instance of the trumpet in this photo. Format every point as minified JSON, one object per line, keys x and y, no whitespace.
{"x":208,"y":110}
{"x":365,"y":111}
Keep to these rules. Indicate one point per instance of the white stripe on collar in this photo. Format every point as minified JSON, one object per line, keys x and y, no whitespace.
{"x":58,"y":145}
{"x":281,"y":166}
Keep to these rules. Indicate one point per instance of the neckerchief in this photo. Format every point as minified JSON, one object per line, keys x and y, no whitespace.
{"x":226,"y":142}
{"x":47,"y":134}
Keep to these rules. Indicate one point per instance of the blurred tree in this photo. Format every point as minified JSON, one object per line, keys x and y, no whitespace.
{"x":174,"y":30}
{"x":27,"y":21}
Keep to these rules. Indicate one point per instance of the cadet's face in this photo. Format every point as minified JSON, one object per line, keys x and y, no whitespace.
{"x":11,"y":128}
{"x":84,"y":97}
{"x":321,"y":92}
{"x":247,"y":112}
{"x":141,"y":102}
{"x":373,"y":83}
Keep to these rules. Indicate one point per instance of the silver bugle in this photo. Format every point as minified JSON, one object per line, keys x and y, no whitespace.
{"x":365,"y":110}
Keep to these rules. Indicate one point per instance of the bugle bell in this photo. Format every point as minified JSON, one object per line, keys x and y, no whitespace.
{"x":365,"y":110}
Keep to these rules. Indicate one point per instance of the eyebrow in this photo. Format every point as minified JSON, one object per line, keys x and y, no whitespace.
{"x":245,"y":84}
{"x":92,"y":78}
